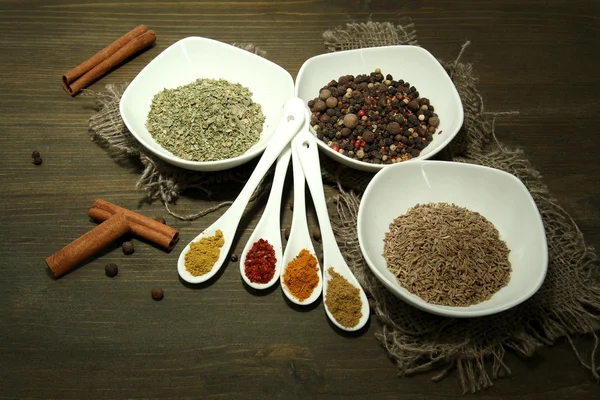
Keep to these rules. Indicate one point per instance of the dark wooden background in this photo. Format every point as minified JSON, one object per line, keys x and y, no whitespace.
{"x":88,"y":336}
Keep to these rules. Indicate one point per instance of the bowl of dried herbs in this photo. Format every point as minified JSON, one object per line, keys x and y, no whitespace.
{"x":205,"y":105}
{"x":453,"y":239}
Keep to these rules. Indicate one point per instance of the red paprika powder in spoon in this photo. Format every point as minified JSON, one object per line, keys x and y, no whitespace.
{"x":259,"y":265}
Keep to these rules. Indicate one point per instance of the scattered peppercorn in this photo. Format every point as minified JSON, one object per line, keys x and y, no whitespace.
{"x":157,"y":293}
{"x":160,"y":219}
{"x":111,"y":270}
{"x":316,"y":233}
{"x":35,"y":154}
{"x":37,"y":160}
{"x":373,"y":118}
{"x":127,"y":248}
{"x":234,"y":258}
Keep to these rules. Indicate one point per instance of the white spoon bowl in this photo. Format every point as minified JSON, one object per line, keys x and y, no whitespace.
{"x":269,"y":225}
{"x":306,"y":145}
{"x":290,"y":124}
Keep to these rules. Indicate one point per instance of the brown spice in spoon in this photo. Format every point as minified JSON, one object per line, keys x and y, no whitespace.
{"x":343,"y":300}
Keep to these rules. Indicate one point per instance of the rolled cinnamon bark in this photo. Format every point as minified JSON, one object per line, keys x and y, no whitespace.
{"x":140,"y":225}
{"x":108,"y":58}
{"x":87,"y":245}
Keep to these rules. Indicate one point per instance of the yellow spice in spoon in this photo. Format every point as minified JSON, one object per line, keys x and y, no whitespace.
{"x":203,"y":254}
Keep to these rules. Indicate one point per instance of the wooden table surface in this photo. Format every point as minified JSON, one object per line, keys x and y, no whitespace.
{"x":88,"y":336}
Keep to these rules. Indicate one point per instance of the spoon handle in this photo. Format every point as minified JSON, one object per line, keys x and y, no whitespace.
{"x":290,"y":124}
{"x":269,"y":225}
{"x":308,"y":153}
{"x":299,"y":215}
{"x":306,"y":145}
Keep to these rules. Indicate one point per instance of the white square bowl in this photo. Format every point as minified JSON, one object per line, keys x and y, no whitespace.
{"x":412,"y":64}
{"x":497,"y":195}
{"x":195,"y":57}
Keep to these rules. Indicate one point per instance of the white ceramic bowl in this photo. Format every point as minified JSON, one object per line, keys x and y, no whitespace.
{"x":196,"y":57}
{"x":498,"y":196}
{"x":412,"y":64}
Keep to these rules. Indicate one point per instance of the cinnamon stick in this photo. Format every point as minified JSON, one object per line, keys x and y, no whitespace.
{"x":140,"y":225}
{"x":106,"y":59}
{"x":93,"y":241}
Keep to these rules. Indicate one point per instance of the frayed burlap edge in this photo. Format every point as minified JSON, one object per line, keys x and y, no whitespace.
{"x":567,"y":305}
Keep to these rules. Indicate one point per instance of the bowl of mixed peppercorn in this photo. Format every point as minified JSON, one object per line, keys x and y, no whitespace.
{"x":380,"y":106}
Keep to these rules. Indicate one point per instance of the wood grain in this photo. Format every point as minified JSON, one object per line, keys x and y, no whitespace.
{"x":88,"y":336}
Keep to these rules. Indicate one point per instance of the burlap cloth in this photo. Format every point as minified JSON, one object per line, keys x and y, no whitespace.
{"x":567,"y":305}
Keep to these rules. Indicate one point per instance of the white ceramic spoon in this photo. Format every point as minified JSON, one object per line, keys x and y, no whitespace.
{"x":290,"y":124}
{"x":269,"y":225}
{"x":299,"y":238}
{"x":306,"y":145}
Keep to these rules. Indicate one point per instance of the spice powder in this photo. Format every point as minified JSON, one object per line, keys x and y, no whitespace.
{"x":203,"y":254}
{"x":260,"y":262}
{"x":301,"y":275}
{"x":343,"y":300}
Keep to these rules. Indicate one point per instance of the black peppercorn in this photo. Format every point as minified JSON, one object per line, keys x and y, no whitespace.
{"x":413,"y":105}
{"x":127,"y":248}
{"x":393,"y":128}
{"x":35,"y":154}
{"x":369,"y":136}
{"x":319,"y":105}
{"x":325,"y":94}
{"x":233,"y":258}
{"x":157,"y":293}
{"x":111,"y":270}
{"x":37,"y":161}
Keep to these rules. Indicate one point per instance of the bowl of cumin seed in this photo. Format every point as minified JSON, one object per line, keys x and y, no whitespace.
{"x":453,"y":239}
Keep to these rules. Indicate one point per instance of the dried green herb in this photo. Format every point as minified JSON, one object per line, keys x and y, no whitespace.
{"x":206,"y":120}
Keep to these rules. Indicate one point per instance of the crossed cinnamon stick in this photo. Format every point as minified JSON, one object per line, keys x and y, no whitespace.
{"x":117,"y":222}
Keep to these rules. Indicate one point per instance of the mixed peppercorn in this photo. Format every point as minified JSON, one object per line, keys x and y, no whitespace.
{"x":374,"y":119}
